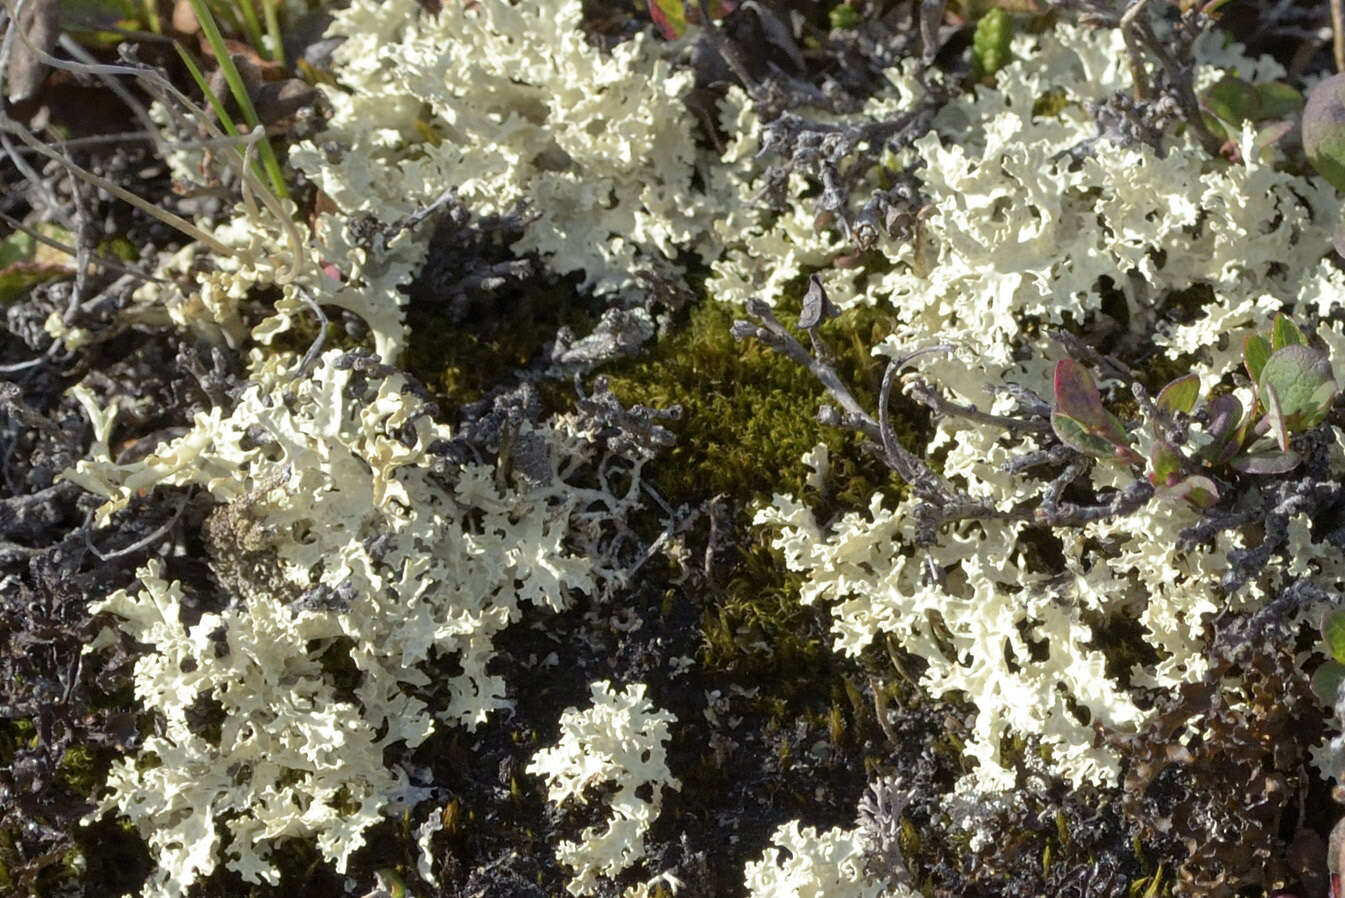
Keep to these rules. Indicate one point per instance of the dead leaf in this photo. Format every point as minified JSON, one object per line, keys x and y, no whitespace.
{"x":27,"y":72}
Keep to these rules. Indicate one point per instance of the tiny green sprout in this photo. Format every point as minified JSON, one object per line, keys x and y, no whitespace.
{"x":1294,"y":391}
{"x":843,"y":16}
{"x":670,"y":17}
{"x":991,"y":43}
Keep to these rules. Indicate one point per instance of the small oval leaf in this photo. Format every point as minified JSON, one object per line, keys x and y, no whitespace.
{"x":1285,"y":333}
{"x":1324,"y":129}
{"x":1296,"y":374}
{"x":1180,"y":395}
{"x":1255,"y":354}
{"x":1270,"y":462}
{"x":1333,"y":631}
{"x":1080,"y":438}
{"x":1326,"y":681}
{"x":670,"y":17}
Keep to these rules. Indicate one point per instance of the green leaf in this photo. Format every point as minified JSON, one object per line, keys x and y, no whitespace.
{"x":1231,"y":101}
{"x":1285,"y":333}
{"x":22,"y":265}
{"x":670,"y":16}
{"x":17,"y":247}
{"x":1333,"y":631}
{"x":1300,"y":379}
{"x":1202,"y":492}
{"x":1278,"y":99}
{"x":1266,"y":462}
{"x":1180,"y":395}
{"x":1255,"y":353}
{"x":1165,"y":464}
{"x":20,"y":277}
{"x":1326,"y":681}
{"x":1324,"y":129}
{"x":1197,"y":490}
{"x":1323,"y":398}
{"x":1080,"y":438}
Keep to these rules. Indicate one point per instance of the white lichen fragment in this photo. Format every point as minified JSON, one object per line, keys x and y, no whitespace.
{"x":344,"y":543}
{"x":1026,"y":227}
{"x":620,"y":739}
{"x":506,"y":103}
{"x":288,"y":759}
{"x":804,"y":863}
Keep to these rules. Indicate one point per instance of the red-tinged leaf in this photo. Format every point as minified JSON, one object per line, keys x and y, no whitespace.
{"x":1255,"y":354}
{"x":23,"y":264}
{"x":18,"y":278}
{"x":1270,"y":135}
{"x":1126,"y":454}
{"x":1180,"y":395}
{"x":1271,"y":462}
{"x":1225,"y":415}
{"x":1165,"y":464}
{"x":1285,"y":333}
{"x":1227,"y":429}
{"x":1076,"y":395}
{"x":1203,"y":492}
{"x":670,"y":17}
{"x":1080,"y":438}
{"x":1197,"y":490}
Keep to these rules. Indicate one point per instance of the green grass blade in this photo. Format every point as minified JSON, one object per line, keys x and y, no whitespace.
{"x":253,"y":27}
{"x":273,"y":30}
{"x":226,"y":120}
{"x":240,"y":94}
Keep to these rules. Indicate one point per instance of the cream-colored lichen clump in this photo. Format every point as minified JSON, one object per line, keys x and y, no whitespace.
{"x":1020,"y":230}
{"x":508,"y":103}
{"x":620,"y":738}
{"x":342,"y":541}
{"x":343,"y":538}
{"x":803,"y":863}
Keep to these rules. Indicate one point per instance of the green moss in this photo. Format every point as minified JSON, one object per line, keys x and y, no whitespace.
{"x":82,"y":769}
{"x":759,"y":630}
{"x":14,"y":733}
{"x":459,"y":361}
{"x":8,"y":857}
{"x":749,"y":414}
{"x":1051,"y":104}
